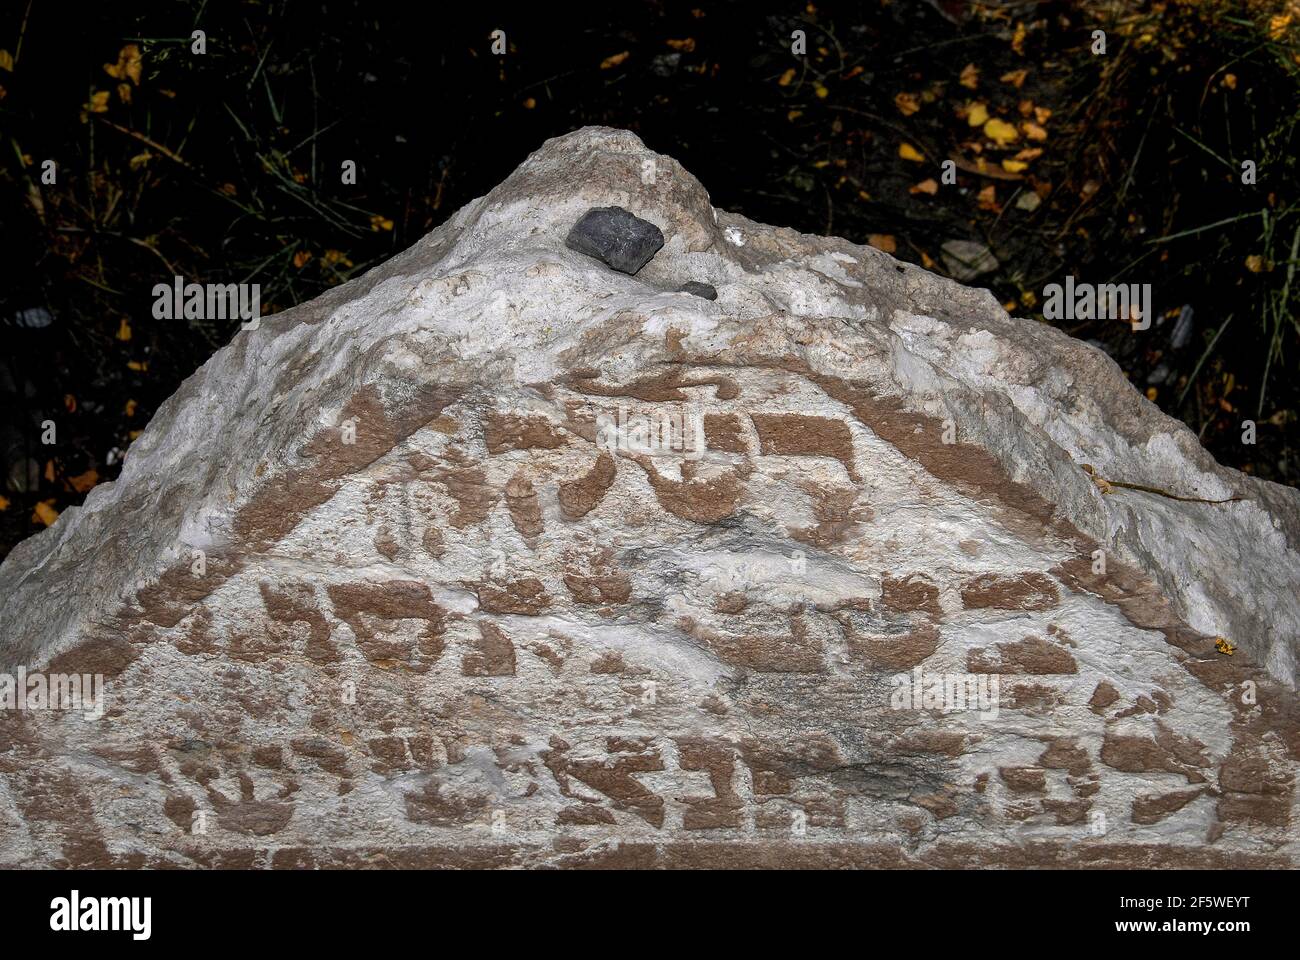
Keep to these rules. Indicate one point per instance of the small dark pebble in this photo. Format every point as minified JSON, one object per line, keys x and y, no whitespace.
{"x":616,"y":237}
{"x":698,"y":289}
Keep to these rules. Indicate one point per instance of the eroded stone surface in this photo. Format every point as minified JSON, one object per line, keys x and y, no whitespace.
{"x":529,"y":618}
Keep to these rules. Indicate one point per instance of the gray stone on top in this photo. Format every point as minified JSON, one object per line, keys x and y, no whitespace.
{"x":616,"y":237}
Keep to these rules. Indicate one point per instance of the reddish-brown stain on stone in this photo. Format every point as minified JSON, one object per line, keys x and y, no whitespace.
{"x":369,"y":608}
{"x":898,"y":652}
{"x":1152,"y":808}
{"x":1024,"y":779}
{"x":598,"y":589}
{"x":725,"y":433}
{"x":612,"y":775}
{"x":1102,"y":697}
{"x":433,"y":542}
{"x":612,"y":662}
{"x":724,"y":808}
{"x":437,"y":804}
{"x":733,"y":602}
{"x":799,"y":435}
{"x":474,"y":497}
{"x":1034,"y":698}
{"x":1167,"y":751}
{"x":584,"y":815}
{"x":1025,"y":591}
{"x":658,"y":388}
{"x":579,"y":496}
{"x":526,"y":596}
{"x":503,"y":432}
{"x":1032,"y":655}
{"x":913,"y":592}
{"x":1065,"y":754}
{"x":105,"y":654}
{"x":1255,"y":788}
{"x":494,"y":654}
{"x":837,"y":515}
{"x":525,"y":508}
{"x":1067,"y":812}
{"x":700,"y":500}
{"x":292,"y":603}
{"x":796,"y":652}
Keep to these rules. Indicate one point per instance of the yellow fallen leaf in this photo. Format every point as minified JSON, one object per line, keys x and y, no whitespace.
{"x":1033,"y":131}
{"x":909,"y":152}
{"x":907,"y":103}
{"x":977,"y":115}
{"x":1018,"y":39}
{"x":333,"y":257}
{"x":140,"y":366}
{"x":925,"y":186}
{"x":786,"y":78}
{"x":127,"y":66}
{"x":1230,"y":81}
{"x":988,"y":198}
{"x":1041,"y":114}
{"x":529,"y":103}
{"x":380,"y":223}
{"x":129,"y":409}
{"x":124,"y":330}
{"x":301,"y":259}
{"x":883,"y":241}
{"x":794,"y":115}
{"x":821,"y":91}
{"x":863,"y":195}
{"x":6,"y":61}
{"x":615,"y":59}
{"x":1014,"y":166}
{"x":1029,"y":153}
{"x":124,"y":92}
{"x":970,"y":76}
{"x":1257,"y":264}
{"x":4,"y":503}
{"x":686,"y":46}
{"x":49,"y":470}
{"x":1016,"y":78}
{"x":45,"y":513}
{"x":1000,"y":132}
{"x":98,"y":102}
{"x":1224,"y":647}
{"x":1277,"y":25}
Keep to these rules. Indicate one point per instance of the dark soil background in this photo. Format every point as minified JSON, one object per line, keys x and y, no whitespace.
{"x":225,"y":167}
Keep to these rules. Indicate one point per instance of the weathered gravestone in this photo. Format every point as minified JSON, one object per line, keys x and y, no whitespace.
{"x":496,"y":556}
